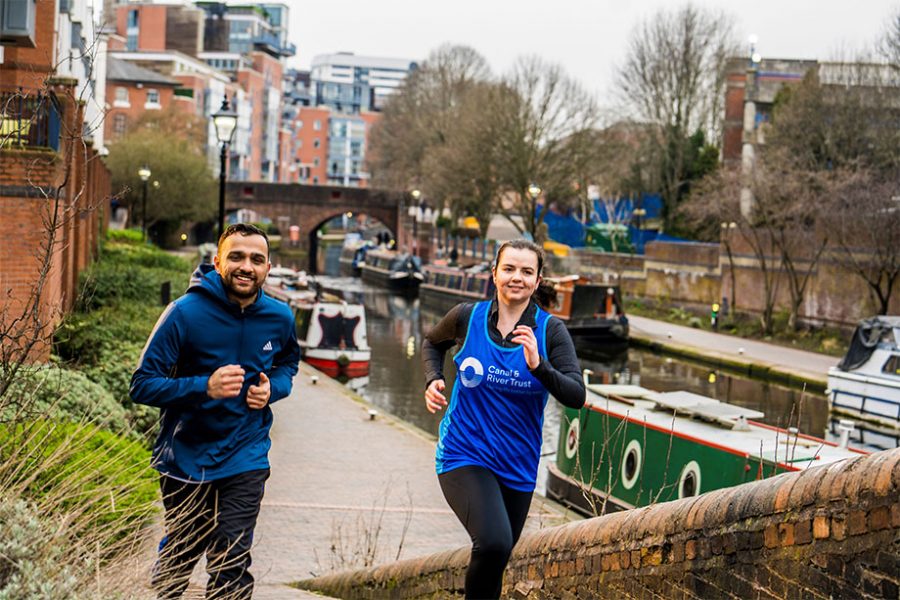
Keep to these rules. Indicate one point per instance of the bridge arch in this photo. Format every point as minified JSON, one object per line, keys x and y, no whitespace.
{"x":309,"y":206}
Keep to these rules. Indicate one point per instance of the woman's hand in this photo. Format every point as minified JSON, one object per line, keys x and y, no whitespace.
{"x":524,"y":335}
{"x":434,"y":397}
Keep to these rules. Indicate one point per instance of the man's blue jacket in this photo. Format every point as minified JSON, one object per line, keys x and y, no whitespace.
{"x":200,"y":438}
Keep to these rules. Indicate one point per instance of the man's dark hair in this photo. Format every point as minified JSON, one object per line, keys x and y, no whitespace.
{"x":244,"y":229}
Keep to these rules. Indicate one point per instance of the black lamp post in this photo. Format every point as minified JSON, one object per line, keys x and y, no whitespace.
{"x":144,"y":174}
{"x":415,"y":211}
{"x":226,"y":122}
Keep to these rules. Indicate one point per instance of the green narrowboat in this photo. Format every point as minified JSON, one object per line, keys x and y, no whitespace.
{"x":630,"y":446}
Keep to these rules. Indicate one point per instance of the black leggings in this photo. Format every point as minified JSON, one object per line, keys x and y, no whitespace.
{"x":494,"y":515}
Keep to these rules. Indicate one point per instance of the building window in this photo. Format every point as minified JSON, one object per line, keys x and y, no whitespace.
{"x":316,"y":161}
{"x":316,"y":143}
{"x":153,"y":97}
{"x":121,"y":96}
{"x":299,"y":124}
{"x":317,"y":125}
{"x":132,"y":18}
{"x":119,"y":124}
{"x":315,"y":181}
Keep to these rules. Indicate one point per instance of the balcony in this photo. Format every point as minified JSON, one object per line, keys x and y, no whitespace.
{"x":269,"y":42}
{"x":28,"y":120}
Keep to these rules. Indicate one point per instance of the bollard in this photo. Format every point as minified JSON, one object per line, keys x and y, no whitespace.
{"x":165,"y":293}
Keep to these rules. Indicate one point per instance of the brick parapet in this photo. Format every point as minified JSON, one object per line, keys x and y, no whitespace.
{"x":831,"y":531}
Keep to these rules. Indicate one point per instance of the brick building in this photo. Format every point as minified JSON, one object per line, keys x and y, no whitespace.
{"x":53,"y":185}
{"x":132,"y":91}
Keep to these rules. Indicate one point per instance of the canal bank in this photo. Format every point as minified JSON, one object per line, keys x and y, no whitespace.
{"x":755,"y":359}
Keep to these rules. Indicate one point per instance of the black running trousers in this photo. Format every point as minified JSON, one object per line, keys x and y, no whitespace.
{"x":216,"y":518}
{"x":494,"y":516}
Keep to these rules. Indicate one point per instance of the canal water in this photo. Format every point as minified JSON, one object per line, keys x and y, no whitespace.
{"x":396,"y":325}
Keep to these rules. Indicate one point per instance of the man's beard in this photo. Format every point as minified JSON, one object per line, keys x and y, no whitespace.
{"x":232,"y":289}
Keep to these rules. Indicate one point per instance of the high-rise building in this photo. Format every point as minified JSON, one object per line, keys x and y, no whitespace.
{"x":349,"y":83}
{"x":333,"y":108}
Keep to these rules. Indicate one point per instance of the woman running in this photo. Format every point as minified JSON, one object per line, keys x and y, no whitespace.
{"x":512,"y":354}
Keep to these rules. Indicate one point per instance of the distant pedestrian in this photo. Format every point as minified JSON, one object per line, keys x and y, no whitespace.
{"x":454,"y":255}
{"x":217,"y":358}
{"x":512,"y":355}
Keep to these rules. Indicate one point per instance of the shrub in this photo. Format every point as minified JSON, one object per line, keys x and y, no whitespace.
{"x":695,"y":322}
{"x":81,"y":494}
{"x":125,"y":236}
{"x":33,"y":561}
{"x":84,"y":338}
{"x":64,"y":395}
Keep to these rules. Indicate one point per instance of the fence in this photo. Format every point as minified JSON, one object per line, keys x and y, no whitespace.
{"x":29,"y":120}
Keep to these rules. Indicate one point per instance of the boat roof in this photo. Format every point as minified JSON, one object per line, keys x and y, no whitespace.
{"x":714,"y":423}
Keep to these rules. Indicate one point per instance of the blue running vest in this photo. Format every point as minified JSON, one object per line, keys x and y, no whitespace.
{"x":496,"y":411}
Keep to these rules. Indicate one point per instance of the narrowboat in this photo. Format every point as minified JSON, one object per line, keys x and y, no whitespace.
{"x":866,"y":383}
{"x":331,"y":332}
{"x":593,"y":313}
{"x":399,"y":272}
{"x":630,"y":446}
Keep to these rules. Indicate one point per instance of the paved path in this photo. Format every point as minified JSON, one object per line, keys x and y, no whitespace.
{"x":716,"y":346}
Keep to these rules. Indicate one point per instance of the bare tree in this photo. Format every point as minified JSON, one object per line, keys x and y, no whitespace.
{"x":545,"y":135}
{"x":889,"y":44}
{"x":673,"y":78}
{"x":422,"y":115}
{"x":865,"y":221}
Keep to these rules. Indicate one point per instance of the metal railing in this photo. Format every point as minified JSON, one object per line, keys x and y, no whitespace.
{"x":29,"y":119}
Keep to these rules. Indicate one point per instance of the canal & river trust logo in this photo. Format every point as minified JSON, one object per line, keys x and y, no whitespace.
{"x":471,"y":371}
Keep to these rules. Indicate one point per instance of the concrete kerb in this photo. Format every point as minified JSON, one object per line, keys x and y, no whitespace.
{"x":739,"y":366}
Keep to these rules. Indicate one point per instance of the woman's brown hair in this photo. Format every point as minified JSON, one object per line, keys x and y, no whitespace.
{"x":545,"y":294}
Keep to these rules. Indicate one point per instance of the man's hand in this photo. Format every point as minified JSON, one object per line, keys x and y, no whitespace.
{"x":225,"y":382}
{"x":258,"y":395}
{"x":434,"y":398}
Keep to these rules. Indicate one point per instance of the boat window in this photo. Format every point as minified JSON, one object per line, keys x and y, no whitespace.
{"x":689,"y":484}
{"x":631,"y":464}
{"x":455,"y":282}
{"x":442,"y":279}
{"x":892,"y":366}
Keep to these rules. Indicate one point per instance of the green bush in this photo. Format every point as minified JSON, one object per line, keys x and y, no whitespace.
{"x":113,"y":371}
{"x":125,"y":236}
{"x":64,"y":395}
{"x":103,"y":480}
{"x":83,"y":338}
{"x":34,"y":563}
{"x":695,"y":322}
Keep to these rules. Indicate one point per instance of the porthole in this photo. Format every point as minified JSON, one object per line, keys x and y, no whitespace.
{"x":572,"y":439}
{"x":631,"y":464}
{"x":689,"y":482}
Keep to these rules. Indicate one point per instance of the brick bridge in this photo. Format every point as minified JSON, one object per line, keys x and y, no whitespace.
{"x":311,"y":206}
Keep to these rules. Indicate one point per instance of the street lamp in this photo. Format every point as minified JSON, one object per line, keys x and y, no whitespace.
{"x":144,"y":174}
{"x":416,"y":212}
{"x":226,"y":122}
{"x":534,"y":190}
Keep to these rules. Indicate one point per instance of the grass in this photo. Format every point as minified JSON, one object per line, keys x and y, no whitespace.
{"x":823,"y":340}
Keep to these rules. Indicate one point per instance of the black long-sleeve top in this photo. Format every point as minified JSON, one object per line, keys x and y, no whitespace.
{"x":560,"y":373}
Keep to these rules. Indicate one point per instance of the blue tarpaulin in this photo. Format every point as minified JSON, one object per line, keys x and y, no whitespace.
{"x":569,"y":230}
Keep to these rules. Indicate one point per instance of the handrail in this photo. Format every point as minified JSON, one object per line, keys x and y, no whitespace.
{"x":28,"y":119}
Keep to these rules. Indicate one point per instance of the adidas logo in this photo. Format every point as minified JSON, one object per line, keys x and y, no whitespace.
{"x":268,"y":347}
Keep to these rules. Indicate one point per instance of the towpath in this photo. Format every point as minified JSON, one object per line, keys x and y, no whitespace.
{"x":759,"y":358}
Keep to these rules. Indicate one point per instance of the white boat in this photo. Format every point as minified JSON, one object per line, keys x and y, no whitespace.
{"x":866,"y":383}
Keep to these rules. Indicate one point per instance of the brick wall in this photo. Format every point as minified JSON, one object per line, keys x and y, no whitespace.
{"x":38,"y":186}
{"x":827,"y":532}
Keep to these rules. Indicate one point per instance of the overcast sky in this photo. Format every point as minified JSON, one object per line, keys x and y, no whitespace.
{"x":588,"y":37}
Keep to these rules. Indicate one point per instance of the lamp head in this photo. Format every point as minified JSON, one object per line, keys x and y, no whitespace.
{"x":144,"y":173}
{"x":226,"y":122}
